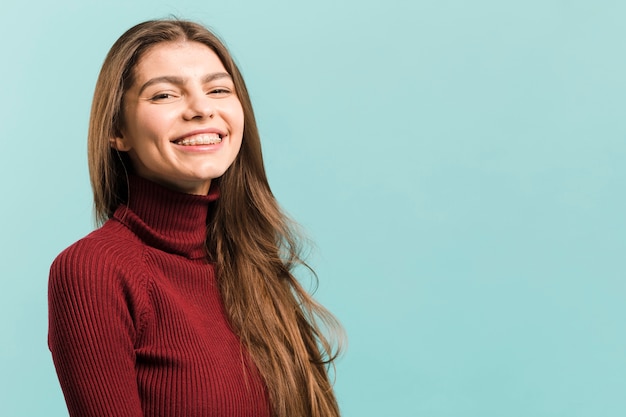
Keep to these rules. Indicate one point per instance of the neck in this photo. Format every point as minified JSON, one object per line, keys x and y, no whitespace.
{"x":169,"y":220}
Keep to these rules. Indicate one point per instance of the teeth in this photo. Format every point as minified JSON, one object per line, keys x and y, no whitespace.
{"x":207,"y":139}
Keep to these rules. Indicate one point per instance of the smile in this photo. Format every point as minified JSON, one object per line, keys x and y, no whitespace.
{"x":202,"y":139}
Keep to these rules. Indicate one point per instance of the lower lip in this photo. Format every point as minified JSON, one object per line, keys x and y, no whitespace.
{"x":199,"y":148}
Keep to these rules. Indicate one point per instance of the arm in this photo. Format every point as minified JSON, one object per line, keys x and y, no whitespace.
{"x":92,"y":333}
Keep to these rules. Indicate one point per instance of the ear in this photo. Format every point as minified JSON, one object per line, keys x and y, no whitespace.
{"x":119,"y":143}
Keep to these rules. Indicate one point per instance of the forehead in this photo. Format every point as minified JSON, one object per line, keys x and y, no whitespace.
{"x":180,"y":58}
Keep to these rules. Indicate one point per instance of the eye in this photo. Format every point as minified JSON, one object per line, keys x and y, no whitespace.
{"x":165,"y":97}
{"x":219,"y":92}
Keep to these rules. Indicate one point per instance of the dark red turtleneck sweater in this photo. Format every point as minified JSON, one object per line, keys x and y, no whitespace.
{"x":137,"y":327}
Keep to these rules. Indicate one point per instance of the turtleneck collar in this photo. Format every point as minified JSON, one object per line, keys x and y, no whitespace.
{"x":168,"y":220}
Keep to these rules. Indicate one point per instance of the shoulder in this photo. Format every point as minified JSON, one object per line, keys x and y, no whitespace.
{"x":111,"y":252}
{"x":100,"y":277}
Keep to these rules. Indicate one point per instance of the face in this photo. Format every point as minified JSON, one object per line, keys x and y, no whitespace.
{"x":183,"y":122}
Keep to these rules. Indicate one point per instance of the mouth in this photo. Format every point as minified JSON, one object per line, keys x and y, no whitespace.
{"x":199,"y":139}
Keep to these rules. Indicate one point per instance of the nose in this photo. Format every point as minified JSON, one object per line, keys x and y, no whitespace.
{"x":199,"y":106}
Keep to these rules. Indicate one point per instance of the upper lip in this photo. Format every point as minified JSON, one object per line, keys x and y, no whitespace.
{"x":201,"y":132}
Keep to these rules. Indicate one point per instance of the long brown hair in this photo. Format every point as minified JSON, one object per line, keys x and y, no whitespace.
{"x":253,"y":244}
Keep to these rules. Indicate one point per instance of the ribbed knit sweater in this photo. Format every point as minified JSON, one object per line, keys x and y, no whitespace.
{"x":137,"y":326}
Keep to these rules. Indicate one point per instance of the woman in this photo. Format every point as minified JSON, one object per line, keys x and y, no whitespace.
{"x":183,"y":303}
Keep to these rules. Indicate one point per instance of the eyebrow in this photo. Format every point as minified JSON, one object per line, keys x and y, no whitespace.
{"x":180,"y":81}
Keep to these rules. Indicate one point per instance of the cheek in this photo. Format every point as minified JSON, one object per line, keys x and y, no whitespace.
{"x":154,"y":116}
{"x":235,"y":113}
{"x":154,"y":122}
{"x":236,"y":135}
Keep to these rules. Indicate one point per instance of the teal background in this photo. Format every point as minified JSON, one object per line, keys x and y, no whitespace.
{"x":460,"y":166}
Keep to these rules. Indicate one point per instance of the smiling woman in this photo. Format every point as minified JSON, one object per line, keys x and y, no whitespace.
{"x":183,"y":303}
{"x":183,"y":121}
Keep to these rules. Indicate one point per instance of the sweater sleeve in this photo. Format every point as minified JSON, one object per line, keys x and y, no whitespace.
{"x":94,"y":312}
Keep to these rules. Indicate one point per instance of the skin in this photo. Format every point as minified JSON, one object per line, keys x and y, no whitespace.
{"x":181,"y":90}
